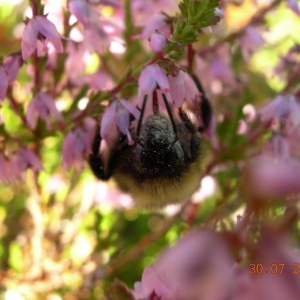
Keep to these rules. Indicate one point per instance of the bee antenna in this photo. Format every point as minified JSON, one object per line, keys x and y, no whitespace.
{"x":141,"y":116}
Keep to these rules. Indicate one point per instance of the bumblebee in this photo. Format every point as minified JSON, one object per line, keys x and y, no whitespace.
{"x":163,"y":164}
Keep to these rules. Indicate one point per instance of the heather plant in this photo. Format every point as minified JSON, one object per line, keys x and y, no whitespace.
{"x":72,"y":70}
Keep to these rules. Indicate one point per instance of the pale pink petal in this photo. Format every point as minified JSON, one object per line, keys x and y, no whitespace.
{"x":32,"y":159}
{"x":191,"y":88}
{"x":158,"y":41}
{"x":147,"y":82}
{"x":3,"y":83}
{"x":159,"y":22}
{"x":51,"y":107}
{"x":84,"y":12}
{"x":177,"y":88}
{"x":29,"y":39}
{"x":153,"y":283}
{"x":32,"y":113}
{"x":48,"y":29}
{"x":67,"y":151}
{"x":42,"y":48}
{"x":122,"y":117}
{"x":95,"y":39}
{"x":131,"y":108}
{"x":12,"y":64}
{"x":107,"y":119}
{"x":18,"y":166}
{"x":160,"y":77}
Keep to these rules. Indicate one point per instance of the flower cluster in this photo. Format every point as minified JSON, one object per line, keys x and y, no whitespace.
{"x":200,"y":266}
{"x":138,"y":89}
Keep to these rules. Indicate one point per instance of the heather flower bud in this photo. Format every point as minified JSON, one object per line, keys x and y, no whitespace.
{"x":219,"y":13}
{"x":158,"y":41}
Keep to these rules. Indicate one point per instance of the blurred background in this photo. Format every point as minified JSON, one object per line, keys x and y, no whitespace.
{"x":65,"y":235}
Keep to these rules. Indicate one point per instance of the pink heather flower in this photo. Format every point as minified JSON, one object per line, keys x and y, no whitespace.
{"x":151,"y":284}
{"x":159,"y":22}
{"x":151,"y":77}
{"x":96,"y":39}
{"x":39,"y":29}
{"x":74,"y":64}
{"x":84,"y":12}
{"x":42,"y":106}
{"x":22,"y":160}
{"x":12,"y":64}
{"x":142,"y":9}
{"x":182,"y":87}
{"x":158,"y":41}
{"x":184,"y":271}
{"x":275,"y":172}
{"x":250,"y":42}
{"x":283,"y":108}
{"x":117,"y":117}
{"x":98,"y":81}
{"x":3,"y":82}
{"x":219,"y":76}
{"x":293,"y":5}
{"x":77,"y":145}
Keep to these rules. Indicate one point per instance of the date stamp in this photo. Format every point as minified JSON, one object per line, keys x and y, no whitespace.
{"x":276,"y":268}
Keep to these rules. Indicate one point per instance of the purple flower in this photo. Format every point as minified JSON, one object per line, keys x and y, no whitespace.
{"x":84,"y":12}
{"x":96,"y":39}
{"x":8,"y":72}
{"x":293,"y":5}
{"x":42,"y":106}
{"x":39,"y":28}
{"x":250,"y":42}
{"x":158,"y":41}
{"x":153,"y":79}
{"x":275,"y":173}
{"x":283,"y":108}
{"x":182,"y":87}
{"x":22,"y":160}
{"x":151,"y":283}
{"x":117,"y":117}
{"x":12,"y":64}
{"x":198,"y":267}
{"x":158,"y":22}
{"x":3,"y":82}
{"x":77,"y":145}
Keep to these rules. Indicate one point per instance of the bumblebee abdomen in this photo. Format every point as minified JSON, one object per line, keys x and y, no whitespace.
{"x":153,"y":193}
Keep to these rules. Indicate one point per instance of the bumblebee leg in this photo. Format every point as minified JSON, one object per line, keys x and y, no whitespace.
{"x":139,"y":126}
{"x":170,"y":115}
{"x":195,"y":142}
{"x":95,"y":159}
{"x":205,"y":107}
